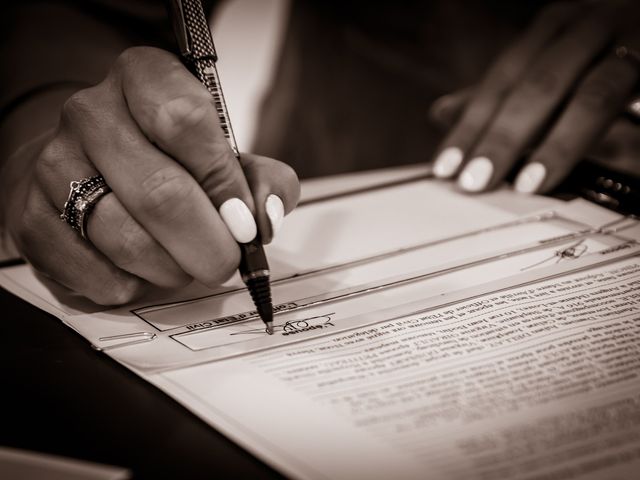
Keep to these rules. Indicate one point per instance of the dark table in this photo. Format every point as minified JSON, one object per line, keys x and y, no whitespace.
{"x":60,"y":396}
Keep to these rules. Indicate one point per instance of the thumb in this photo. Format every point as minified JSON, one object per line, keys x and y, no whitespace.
{"x":275,"y":190}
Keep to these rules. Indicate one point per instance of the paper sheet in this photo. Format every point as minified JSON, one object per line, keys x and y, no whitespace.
{"x":419,"y":333}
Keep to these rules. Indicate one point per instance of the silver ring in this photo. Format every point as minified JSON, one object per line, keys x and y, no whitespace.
{"x":83,"y":197}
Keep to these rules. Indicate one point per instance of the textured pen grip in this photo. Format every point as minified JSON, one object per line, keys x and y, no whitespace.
{"x":200,"y":41}
{"x":253,"y":261}
{"x":201,"y":62}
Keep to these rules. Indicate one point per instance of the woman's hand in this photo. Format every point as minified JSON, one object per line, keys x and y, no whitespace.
{"x":152,"y":131}
{"x":553,"y":93}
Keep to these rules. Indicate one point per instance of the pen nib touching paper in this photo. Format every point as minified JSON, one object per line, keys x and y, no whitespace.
{"x":292,"y":327}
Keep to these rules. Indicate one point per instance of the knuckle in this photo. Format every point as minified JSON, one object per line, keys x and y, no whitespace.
{"x":48,"y":162}
{"x":78,"y":107}
{"x":182,"y":114}
{"x":220,"y":173}
{"x":167,"y":193}
{"x":133,"y":56}
{"x":130,"y":57}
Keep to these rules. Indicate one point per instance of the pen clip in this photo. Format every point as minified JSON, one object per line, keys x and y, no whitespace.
{"x":188,"y":19}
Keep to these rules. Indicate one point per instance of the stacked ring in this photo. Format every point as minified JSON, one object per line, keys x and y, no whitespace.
{"x":83,"y":197}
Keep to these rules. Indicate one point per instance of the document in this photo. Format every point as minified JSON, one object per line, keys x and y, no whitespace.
{"x":419,"y":334}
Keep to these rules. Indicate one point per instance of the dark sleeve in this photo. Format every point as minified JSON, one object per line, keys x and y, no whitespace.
{"x":74,"y":42}
{"x":50,"y":49}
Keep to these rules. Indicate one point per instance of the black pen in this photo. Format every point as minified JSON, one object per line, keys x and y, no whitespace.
{"x":199,"y":55}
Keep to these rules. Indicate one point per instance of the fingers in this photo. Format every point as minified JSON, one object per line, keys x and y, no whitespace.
{"x":162,"y":152}
{"x":530,"y":105}
{"x":117,"y":235}
{"x":275,"y":190}
{"x":159,"y":193}
{"x":501,"y":78}
{"x":58,"y":252}
{"x":597,"y":101}
{"x":177,"y":113}
{"x":110,"y":227}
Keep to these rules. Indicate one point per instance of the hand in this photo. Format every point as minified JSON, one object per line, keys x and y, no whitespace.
{"x":151,"y":130}
{"x":553,"y":94}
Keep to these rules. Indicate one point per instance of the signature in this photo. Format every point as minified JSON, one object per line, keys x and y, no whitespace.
{"x":294,"y":326}
{"x":571,"y":252}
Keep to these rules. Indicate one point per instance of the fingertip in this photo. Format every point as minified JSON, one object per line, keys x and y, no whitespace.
{"x":270,"y":213}
{"x":276,"y":191}
{"x":448,"y":162}
{"x":476,"y":175}
{"x":531,"y":178}
{"x":274,"y":208}
{"x":239,"y":220}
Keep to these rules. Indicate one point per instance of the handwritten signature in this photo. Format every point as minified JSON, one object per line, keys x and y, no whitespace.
{"x":293,"y":327}
{"x":571,"y":252}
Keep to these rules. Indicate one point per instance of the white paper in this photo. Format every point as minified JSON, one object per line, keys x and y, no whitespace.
{"x":419,"y":333}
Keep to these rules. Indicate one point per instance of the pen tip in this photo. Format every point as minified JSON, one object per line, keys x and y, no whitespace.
{"x":270,"y":328}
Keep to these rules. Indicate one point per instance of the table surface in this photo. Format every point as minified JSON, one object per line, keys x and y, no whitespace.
{"x":60,"y":396}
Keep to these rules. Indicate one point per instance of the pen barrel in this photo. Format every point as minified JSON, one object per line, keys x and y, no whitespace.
{"x":205,"y":70}
{"x":254,"y":271}
{"x":260,"y":291}
{"x":253,"y":261}
{"x":199,"y":56}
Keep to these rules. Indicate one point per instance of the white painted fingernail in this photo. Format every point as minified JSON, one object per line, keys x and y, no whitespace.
{"x":530,"y":177}
{"x":447,"y":162}
{"x":476,"y":175}
{"x":237,"y":216}
{"x":275,"y":211}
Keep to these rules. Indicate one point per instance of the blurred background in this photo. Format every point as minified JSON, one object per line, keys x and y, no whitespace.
{"x":247,"y":35}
